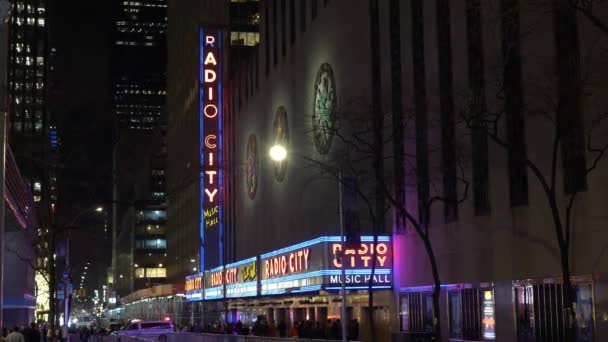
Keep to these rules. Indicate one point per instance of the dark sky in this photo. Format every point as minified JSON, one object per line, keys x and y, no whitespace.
{"x":80,"y":33}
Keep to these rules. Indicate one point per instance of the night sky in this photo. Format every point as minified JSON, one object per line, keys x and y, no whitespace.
{"x":82,"y":108}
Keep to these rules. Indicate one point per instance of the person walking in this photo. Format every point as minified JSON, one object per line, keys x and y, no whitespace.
{"x":15,"y":336}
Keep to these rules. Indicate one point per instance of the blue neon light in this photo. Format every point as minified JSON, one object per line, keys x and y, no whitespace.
{"x":307,"y":289}
{"x":219,"y":268}
{"x":376,"y":287}
{"x":220,"y":133}
{"x":242,"y":262}
{"x":318,"y":240}
{"x":202,"y":155}
{"x":320,"y":273}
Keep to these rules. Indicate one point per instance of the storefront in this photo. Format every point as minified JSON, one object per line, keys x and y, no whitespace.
{"x":301,"y":283}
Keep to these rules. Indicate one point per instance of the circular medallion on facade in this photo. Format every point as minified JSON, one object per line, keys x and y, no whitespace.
{"x":251,"y":166}
{"x":324,"y":108}
{"x":281,"y":137}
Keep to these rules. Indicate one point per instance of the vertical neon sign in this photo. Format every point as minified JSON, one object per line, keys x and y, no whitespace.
{"x":210,"y":117}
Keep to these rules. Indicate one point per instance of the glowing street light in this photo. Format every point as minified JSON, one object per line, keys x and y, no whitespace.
{"x":278,"y":153}
{"x":99,"y":209}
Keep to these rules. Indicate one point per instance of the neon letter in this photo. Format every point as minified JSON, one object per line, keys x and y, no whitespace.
{"x":209,"y":40}
{"x":208,"y":141}
{"x":210,"y":158}
{"x":382,"y":259}
{"x":211,"y":174}
{"x":210,"y":92}
{"x":211,"y":115}
{"x":366,"y":260}
{"x":306,"y":258}
{"x":211,"y":194}
{"x":291,"y":266}
{"x":210,"y":76}
{"x":210,"y":59}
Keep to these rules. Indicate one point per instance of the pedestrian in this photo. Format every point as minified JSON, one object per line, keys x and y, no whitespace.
{"x":34,"y":333}
{"x":293,"y":332}
{"x":282,"y":328}
{"x":15,"y":336}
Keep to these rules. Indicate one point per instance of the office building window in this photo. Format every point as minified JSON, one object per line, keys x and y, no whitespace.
{"x":283,"y":29}
{"x":512,"y":86}
{"x":569,"y":124}
{"x":302,"y":15}
{"x":446,"y":99}
{"x":420,"y":110}
{"x":481,"y":186}
{"x":275,"y":33}
{"x":267,"y":37}
{"x":292,"y":21}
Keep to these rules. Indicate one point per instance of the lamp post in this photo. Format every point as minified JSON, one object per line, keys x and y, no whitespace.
{"x":66,"y":313}
{"x":279,"y":153}
{"x":5,"y":12}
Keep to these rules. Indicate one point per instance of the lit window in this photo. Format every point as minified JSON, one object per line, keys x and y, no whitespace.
{"x":37,"y":198}
{"x":40,"y":21}
{"x":140,"y":272}
{"x":37,"y":187}
{"x":156,"y":272}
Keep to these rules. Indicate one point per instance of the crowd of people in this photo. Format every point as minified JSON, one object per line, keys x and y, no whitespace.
{"x":32,"y":333}
{"x":331,"y":329}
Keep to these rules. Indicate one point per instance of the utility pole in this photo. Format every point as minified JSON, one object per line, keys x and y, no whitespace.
{"x":5,"y":7}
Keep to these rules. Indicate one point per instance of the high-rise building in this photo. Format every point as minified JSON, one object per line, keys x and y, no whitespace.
{"x":27,"y":67}
{"x":138,"y":63}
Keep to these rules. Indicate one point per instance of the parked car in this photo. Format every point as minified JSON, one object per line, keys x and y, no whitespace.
{"x":145,"y":329}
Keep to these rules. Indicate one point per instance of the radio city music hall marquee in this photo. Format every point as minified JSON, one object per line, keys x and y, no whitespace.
{"x":211,"y":146}
{"x":308,"y":266}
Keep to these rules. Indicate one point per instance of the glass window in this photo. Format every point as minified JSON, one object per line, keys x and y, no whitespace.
{"x":405,"y":314}
{"x":583,"y":307}
{"x":156,"y":272}
{"x":455,"y":310}
{"x":140,"y":273}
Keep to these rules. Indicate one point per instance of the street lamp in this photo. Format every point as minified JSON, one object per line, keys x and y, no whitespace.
{"x":278,"y":153}
{"x":99,"y":209}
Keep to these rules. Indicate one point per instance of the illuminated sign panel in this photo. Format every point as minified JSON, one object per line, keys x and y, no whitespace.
{"x":214,"y":283}
{"x":194,"y":287}
{"x":362,"y":259}
{"x":211,"y":146}
{"x":488,"y":322}
{"x":241,"y":278}
{"x":312,"y":265}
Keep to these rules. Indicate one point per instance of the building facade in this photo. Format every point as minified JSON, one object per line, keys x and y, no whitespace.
{"x":433,"y":71}
{"x":138,"y":74}
{"x":139,"y":257}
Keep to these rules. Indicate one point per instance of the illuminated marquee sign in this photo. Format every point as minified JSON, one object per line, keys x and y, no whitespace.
{"x":211,"y":145}
{"x":241,"y":278}
{"x":194,"y":287}
{"x":294,"y":262}
{"x":214,"y":283}
{"x":312,"y":265}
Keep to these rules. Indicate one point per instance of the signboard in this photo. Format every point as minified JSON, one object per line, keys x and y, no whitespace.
{"x":211,"y":147}
{"x":241,"y":278}
{"x":214,"y":283}
{"x":316,"y":264}
{"x":488,"y":322}
{"x":194,"y":287}
{"x":308,"y":266}
{"x":359,"y":262}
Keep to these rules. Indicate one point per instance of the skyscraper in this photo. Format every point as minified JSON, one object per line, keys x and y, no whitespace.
{"x":27,"y":68}
{"x":138,"y":61}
